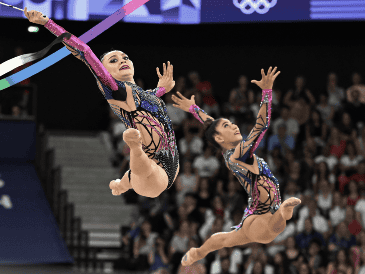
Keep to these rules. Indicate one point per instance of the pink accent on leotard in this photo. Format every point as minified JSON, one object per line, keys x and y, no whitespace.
{"x":265,"y":92}
{"x":94,"y":61}
{"x":192,"y":110}
{"x":160,"y":92}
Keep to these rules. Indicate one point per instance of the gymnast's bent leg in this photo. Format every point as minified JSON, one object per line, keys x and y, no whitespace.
{"x":147,"y":178}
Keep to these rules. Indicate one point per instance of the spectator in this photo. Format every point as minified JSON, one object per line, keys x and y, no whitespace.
{"x":322,"y":173}
{"x":303,"y":239}
{"x":358,"y":177}
{"x":360,"y":209}
{"x":316,"y":129}
{"x":206,"y":166}
{"x":222,"y":262}
{"x":330,"y":160}
{"x":281,"y":263}
{"x":179,"y":244}
{"x":196,"y":268}
{"x":355,"y":108}
{"x":356,"y":84}
{"x":176,"y":115}
{"x":185,"y":182}
{"x":327,"y":111}
{"x":324,"y":197}
{"x":180,"y":85}
{"x":233,"y":199}
{"x":294,"y":174}
{"x":291,"y":124}
{"x":320,"y":224}
{"x":346,"y":127}
{"x":256,"y":250}
{"x":143,"y":245}
{"x":241,"y":98}
{"x":191,"y":145}
{"x":158,"y":259}
{"x":190,"y":204}
{"x":299,"y":92}
{"x":335,"y":93}
{"x":282,"y":140}
{"x":304,"y":269}
{"x":337,"y":213}
{"x":361,"y":269}
{"x":341,"y":238}
{"x":350,"y":160}
{"x":360,"y":143}
{"x":337,"y":143}
{"x":292,"y":252}
{"x":194,"y":79}
{"x":352,"y":224}
{"x":204,"y":195}
{"x":352,"y":194}
{"x":275,"y":161}
{"x":218,"y":211}
{"x":315,"y":259}
{"x":341,"y":265}
{"x":276,"y":102}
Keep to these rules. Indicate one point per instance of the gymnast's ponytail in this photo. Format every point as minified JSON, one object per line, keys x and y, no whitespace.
{"x":210,"y":131}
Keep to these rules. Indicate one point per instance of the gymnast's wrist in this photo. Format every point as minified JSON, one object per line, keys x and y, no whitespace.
{"x":160,"y":92}
{"x":192,"y":109}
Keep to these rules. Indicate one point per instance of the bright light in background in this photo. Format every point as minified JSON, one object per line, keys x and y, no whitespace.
{"x":33,"y":29}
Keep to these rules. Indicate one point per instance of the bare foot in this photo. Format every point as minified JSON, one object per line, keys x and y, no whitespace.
{"x":133,"y":138}
{"x":288,"y":207}
{"x":190,"y":257}
{"x":118,"y":187}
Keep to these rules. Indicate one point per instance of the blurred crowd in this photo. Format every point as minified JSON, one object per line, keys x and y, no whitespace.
{"x":315,"y":147}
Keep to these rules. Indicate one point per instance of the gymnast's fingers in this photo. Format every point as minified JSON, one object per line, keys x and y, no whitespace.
{"x":176,"y":99}
{"x":180,"y":95}
{"x":164,"y":69}
{"x":269,"y":71}
{"x":262,"y":73}
{"x":158,"y":73}
{"x":25,"y":12}
{"x":276,"y":75}
{"x":272,"y":73}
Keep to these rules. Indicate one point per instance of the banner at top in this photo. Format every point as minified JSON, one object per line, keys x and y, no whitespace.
{"x":195,"y":11}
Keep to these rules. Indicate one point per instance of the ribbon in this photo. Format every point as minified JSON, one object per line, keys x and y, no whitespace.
{"x":62,"y":53}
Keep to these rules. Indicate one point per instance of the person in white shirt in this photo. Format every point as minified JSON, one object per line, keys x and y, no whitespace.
{"x":360,"y":209}
{"x":234,"y":256}
{"x":320,"y":224}
{"x":325,"y":156}
{"x":207,"y":166}
{"x":191,"y":145}
{"x":335,"y":93}
{"x":337,"y":213}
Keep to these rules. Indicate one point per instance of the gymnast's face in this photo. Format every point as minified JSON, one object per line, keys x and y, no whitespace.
{"x":119,"y":66}
{"x":229,"y":133}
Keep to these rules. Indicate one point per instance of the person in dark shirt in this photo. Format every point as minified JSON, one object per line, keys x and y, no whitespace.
{"x":303,"y":239}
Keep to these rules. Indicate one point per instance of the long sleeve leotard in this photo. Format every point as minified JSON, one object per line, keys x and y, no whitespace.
{"x":262,"y":188}
{"x":150,"y":116}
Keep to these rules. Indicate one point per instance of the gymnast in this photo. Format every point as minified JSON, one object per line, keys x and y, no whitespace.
{"x":154,"y":158}
{"x":265,"y":217}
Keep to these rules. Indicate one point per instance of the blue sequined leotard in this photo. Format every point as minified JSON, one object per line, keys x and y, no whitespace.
{"x":150,"y":115}
{"x":262,"y":188}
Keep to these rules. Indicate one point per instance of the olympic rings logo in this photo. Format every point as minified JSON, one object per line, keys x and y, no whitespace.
{"x":254,"y":5}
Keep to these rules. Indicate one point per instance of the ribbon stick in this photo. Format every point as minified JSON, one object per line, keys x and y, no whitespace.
{"x":62,"y":53}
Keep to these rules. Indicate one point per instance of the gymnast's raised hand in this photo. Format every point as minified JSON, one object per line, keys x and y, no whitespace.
{"x":36,"y":17}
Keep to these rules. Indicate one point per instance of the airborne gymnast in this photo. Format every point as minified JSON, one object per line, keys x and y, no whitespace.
{"x":154,"y":158}
{"x":265,"y":217}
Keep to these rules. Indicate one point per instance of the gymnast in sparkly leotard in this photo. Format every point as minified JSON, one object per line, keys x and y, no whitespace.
{"x":154,"y":158}
{"x":265,"y":217}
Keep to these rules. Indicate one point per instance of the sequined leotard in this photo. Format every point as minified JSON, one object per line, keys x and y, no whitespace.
{"x":254,"y":184}
{"x":150,"y":114}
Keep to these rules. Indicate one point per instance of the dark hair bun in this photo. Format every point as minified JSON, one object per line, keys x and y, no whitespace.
{"x":207,"y":124}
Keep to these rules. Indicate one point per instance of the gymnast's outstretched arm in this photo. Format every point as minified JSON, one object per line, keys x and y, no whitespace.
{"x":263,"y":118}
{"x":189,"y":106}
{"x":80,"y":50}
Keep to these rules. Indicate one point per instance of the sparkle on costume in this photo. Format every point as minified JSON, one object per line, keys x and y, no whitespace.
{"x":151,"y":112}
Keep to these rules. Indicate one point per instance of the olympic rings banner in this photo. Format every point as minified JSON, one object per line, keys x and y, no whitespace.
{"x":195,"y":11}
